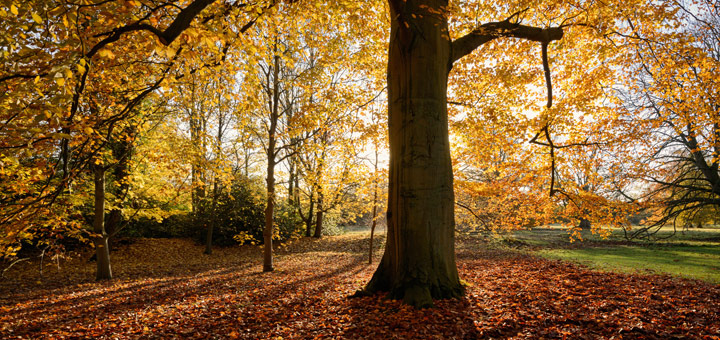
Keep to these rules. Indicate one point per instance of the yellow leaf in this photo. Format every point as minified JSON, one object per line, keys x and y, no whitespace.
{"x":88,"y":130}
{"x":60,"y":81}
{"x":13,"y":9}
{"x":37,"y":18}
{"x":160,"y":50}
{"x":106,"y":54}
{"x":81,"y":68}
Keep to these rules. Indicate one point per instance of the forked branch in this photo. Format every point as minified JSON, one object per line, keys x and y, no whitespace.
{"x":552,"y":147}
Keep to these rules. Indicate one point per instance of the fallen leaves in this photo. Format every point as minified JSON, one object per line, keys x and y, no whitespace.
{"x":168,"y":289}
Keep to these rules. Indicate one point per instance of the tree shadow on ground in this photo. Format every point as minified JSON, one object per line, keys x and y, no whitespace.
{"x":508,"y":295}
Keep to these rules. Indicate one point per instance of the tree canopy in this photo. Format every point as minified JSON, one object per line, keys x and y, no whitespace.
{"x":500,"y":116}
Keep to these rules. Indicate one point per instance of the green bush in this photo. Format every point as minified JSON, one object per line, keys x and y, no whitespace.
{"x":287,"y":221}
{"x":238,"y":212}
{"x":238,"y":216}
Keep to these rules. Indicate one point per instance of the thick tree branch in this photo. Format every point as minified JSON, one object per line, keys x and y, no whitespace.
{"x":492,"y":30}
{"x":181,"y":22}
{"x":22,"y":76}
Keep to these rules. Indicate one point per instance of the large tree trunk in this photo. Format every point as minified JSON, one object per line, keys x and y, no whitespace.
{"x":100,"y":239}
{"x":419,"y":260}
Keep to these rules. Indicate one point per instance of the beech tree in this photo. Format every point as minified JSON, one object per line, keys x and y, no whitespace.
{"x":419,"y":261}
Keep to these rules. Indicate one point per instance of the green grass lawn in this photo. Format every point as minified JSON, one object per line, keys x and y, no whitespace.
{"x":693,"y":254}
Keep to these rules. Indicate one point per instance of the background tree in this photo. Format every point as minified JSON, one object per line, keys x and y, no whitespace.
{"x":86,"y":82}
{"x":669,"y":115}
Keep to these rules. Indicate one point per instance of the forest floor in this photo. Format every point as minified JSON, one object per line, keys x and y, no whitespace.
{"x":169,"y":289}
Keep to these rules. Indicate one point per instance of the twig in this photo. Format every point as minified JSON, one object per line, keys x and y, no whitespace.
{"x":12,"y":264}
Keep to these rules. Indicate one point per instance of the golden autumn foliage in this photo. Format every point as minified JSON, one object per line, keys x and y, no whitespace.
{"x":202,"y":91}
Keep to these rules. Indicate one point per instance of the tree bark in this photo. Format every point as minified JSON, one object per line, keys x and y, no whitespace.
{"x":291,"y":182}
{"x":272,"y":141}
{"x":319,"y":220}
{"x":122,"y":151}
{"x":197,"y":178}
{"x":419,"y":260}
{"x":375,"y":206}
{"x":374,"y":224}
{"x":102,"y":252}
{"x":269,"y":210}
{"x":309,"y":220}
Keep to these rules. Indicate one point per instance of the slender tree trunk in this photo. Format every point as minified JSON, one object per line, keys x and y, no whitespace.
{"x":375,"y":207}
{"x":291,"y":182}
{"x":196,"y":176}
{"x":114,"y":219}
{"x":319,"y":219}
{"x":100,"y":239}
{"x":211,"y":226}
{"x":270,"y":207}
{"x":309,"y":219}
{"x":419,"y":260}
{"x":319,"y":189}
{"x":374,"y":224}
{"x":112,"y":226}
{"x":296,"y":192}
{"x":216,"y":186}
{"x":247,"y":163}
{"x":269,"y":210}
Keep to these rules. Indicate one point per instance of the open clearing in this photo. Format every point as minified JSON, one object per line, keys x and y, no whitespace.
{"x":693,"y":253}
